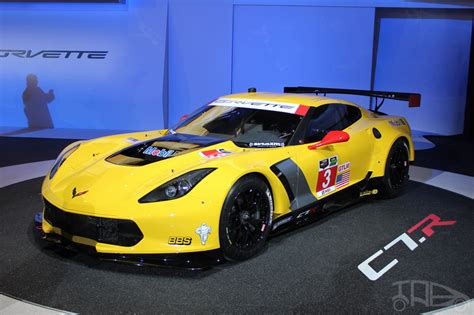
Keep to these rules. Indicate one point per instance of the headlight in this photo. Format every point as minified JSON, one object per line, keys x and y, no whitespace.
{"x":61,"y":158}
{"x":177,"y":187}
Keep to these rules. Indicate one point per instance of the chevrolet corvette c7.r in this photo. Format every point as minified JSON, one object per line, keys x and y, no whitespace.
{"x":227,"y":175}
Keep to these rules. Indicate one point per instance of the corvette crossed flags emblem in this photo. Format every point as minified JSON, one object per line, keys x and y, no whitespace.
{"x":77,"y":194}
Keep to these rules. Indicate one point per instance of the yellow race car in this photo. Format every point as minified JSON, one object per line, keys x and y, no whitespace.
{"x":227,"y":175}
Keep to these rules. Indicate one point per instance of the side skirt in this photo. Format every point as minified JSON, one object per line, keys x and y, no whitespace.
{"x":325,"y":206}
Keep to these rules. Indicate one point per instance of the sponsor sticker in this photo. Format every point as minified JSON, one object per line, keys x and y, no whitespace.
{"x":289,"y":108}
{"x":343,"y":175}
{"x":155,"y":151}
{"x":343,"y":167}
{"x":266,"y":144}
{"x":281,"y":222}
{"x":327,"y":176}
{"x":323,"y":164}
{"x":216,"y":153}
{"x":131,"y":140}
{"x":180,"y":240}
{"x":203,"y":231}
{"x":396,"y":122}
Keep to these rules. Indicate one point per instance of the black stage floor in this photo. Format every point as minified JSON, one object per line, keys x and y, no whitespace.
{"x":311,"y":269}
{"x":453,"y":154}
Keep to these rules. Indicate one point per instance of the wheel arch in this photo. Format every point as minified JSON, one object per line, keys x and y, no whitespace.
{"x":405,"y":140}
{"x":382,"y":149}
{"x":259,"y":175}
{"x":281,"y":201}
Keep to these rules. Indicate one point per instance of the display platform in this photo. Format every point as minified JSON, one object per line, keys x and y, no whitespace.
{"x":411,"y":254}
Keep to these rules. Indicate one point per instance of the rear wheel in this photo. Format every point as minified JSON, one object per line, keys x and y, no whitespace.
{"x":246,"y":218}
{"x":396,"y":170}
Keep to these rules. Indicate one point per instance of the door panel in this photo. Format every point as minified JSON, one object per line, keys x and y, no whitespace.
{"x":335,"y":167}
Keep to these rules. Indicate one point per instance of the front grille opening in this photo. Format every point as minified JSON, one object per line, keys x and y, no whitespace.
{"x":103,"y":230}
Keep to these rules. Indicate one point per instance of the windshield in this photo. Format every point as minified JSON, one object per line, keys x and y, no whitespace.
{"x":247,"y":127}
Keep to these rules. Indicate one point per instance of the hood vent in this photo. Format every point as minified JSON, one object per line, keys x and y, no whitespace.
{"x":154,"y":150}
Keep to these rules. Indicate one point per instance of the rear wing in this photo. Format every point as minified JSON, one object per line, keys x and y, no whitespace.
{"x":413,"y":99}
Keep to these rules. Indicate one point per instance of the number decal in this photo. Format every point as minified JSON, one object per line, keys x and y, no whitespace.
{"x":327,"y":177}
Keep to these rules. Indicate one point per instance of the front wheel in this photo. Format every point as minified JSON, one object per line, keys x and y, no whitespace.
{"x":246,"y":218}
{"x":396,"y":170}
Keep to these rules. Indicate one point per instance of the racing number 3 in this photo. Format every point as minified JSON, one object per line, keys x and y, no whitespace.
{"x":326,"y":178}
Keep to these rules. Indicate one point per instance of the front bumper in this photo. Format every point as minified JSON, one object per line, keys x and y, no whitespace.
{"x":154,"y":229}
{"x":191,"y":261}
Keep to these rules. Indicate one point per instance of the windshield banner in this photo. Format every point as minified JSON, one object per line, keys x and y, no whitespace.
{"x":262,"y":105}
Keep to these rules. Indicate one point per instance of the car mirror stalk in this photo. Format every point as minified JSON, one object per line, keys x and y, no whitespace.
{"x":332,"y":137}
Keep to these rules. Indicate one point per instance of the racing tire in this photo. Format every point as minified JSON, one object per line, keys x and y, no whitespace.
{"x":246,"y":218}
{"x":396,"y":170}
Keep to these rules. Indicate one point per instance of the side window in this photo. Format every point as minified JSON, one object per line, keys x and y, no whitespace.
{"x":353,"y":115}
{"x":327,"y":118}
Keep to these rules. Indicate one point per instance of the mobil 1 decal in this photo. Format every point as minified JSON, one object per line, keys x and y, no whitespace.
{"x":327,"y":176}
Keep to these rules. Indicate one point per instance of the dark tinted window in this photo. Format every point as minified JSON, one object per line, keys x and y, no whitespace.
{"x":329,"y":117}
{"x":247,"y":127}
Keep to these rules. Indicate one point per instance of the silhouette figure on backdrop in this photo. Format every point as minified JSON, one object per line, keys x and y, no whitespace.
{"x":36,"y":104}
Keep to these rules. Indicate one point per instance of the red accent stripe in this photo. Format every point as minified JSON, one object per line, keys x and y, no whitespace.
{"x":302,"y":110}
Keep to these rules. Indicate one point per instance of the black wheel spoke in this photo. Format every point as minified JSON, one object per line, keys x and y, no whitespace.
{"x":251,"y":227}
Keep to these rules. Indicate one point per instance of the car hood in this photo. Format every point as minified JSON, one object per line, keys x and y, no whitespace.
{"x":103,"y":170}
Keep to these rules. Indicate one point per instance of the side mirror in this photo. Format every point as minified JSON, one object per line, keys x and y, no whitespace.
{"x":334,"y":136}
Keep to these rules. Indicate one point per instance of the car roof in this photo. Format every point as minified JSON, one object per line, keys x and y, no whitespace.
{"x":300,"y":99}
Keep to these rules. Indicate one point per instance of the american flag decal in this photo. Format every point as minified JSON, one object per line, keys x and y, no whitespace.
{"x":342,"y":179}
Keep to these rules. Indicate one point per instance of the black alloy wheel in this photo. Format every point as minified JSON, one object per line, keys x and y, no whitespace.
{"x":396,"y":170}
{"x":246,"y":218}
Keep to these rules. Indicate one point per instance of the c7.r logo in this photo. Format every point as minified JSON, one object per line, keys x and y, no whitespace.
{"x":428,"y":231}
